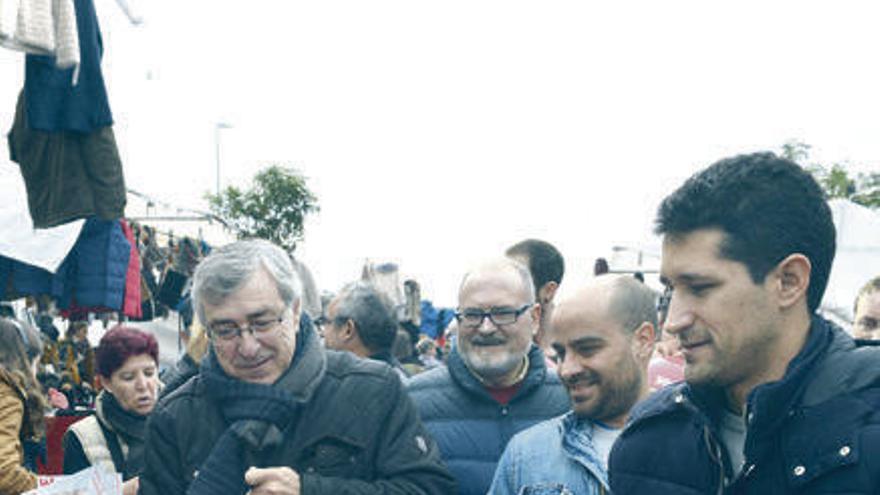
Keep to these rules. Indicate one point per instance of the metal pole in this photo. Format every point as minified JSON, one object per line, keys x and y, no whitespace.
{"x":217,"y":149}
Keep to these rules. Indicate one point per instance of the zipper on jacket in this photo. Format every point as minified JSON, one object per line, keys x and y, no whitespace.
{"x":717,"y":456}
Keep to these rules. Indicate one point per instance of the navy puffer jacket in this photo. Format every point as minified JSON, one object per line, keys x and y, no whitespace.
{"x":815,"y":431}
{"x":470,"y":427}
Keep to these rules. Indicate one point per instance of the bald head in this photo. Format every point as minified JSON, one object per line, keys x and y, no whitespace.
{"x":501,"y":270}
{"x":623,"y":299}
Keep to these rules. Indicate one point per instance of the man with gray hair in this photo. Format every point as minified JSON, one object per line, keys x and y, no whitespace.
{"x":271,"y":411}
{"x":360,"y":320}
{"x":495,"y":383}
{"x":603,"y":336}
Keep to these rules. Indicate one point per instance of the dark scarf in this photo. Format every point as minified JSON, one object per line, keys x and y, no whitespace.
{"x":256,"y":414}
{"x":129,"y":426}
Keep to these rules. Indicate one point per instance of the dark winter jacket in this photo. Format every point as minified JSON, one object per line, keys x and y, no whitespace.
{"x":357,"y":432}
{"x":470,"y":427}
{"x":815,"y":431}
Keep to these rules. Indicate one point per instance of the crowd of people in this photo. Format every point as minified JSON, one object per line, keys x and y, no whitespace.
{"x":729,"y":382}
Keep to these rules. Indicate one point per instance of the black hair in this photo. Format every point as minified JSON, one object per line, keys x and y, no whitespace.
{"x":544,"y":261}
{"x":768,"y":208}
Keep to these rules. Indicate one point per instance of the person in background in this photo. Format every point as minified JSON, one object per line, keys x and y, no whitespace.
{"x":496,"y":382}
{"x":776,"y":399}
{"x":547,"y":267}
{"x":188,"y":364}
{"x":360,"y":320}
{"x":22,"y":406}
{"x":603,"y":336}
{"x":113,"y":438}
{"x":866,"y":322}
{"x":76,"y":354}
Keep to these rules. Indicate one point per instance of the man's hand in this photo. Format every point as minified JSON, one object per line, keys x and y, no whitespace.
{"x":130,"y":487}
{"x":272,"y":481}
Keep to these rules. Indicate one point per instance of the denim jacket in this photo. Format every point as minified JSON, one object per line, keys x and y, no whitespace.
{"x":556,"y":456}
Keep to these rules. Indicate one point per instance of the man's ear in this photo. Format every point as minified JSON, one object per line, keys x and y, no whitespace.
{"x":348,"y":330}
{"x":547,"y":292}
{"x":791,"y":279}
{"x":536,"y":318}
{"x":643,"y":341}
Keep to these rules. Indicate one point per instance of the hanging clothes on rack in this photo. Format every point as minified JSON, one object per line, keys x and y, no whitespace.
{"x":131,"y":301}
{"x":53,"y":101}
{"x":68,"y":175}
{"x":42,"y":27}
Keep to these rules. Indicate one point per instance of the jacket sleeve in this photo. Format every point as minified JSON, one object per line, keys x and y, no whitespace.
{"x":162,"y":473}
{"x":407,"y":458}
{"x":14,"y":478}
{"x":75,"y":459}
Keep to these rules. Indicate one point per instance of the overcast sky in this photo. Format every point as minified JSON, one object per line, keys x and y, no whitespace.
{"x":437,"y":133}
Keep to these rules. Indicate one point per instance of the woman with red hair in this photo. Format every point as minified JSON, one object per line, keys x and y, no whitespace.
{"x":127,"y":367}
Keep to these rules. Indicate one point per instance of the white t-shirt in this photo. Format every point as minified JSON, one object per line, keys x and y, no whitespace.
{"x":603,"y":438}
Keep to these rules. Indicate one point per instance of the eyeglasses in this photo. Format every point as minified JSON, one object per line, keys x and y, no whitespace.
{"x":473,"y":318}
{"x":227,"y":331}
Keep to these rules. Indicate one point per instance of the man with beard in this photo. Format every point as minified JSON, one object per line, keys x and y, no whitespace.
{"x":495,"y":383}
{"x":776,"y":399}
{"x":603,"y":336}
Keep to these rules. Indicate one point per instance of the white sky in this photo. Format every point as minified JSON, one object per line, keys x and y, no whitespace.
{"x":438,"y":133}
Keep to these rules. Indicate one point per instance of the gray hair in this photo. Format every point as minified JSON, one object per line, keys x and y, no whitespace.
{"x":229,"y":267}
{"x":632,"y":303}
{"x":507,"y":263}
{"x":372,"y":313}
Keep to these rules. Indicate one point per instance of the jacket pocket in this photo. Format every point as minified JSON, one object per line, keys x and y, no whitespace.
{"x":334,"y":456}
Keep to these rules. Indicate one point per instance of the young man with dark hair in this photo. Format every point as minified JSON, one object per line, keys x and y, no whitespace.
{"x":775,"y":399}
{"x":546,"y":266}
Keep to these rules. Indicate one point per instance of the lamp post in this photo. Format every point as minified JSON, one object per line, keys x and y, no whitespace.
{"x":217,"y":128}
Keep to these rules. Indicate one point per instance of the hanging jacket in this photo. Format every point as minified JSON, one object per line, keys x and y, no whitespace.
{"x":131,"y":305}
{"x":101,"y":257}
{"x":53,"y":102}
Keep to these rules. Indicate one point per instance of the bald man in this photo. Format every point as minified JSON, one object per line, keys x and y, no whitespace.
{"x":603,"y":337}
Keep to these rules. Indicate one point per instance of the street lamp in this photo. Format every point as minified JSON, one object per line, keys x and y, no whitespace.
{"x":217,"y":128}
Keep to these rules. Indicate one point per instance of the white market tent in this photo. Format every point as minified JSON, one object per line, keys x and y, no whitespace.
{"x":857,"y":259}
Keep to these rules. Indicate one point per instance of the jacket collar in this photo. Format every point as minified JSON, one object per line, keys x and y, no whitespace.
{"x":769,"y":403}
{"x":577,"y":443}
{"x":466,"y":380}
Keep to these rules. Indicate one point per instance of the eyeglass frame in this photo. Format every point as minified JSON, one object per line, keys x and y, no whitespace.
{"x":272,"y":324}
{"x":459,"y":315}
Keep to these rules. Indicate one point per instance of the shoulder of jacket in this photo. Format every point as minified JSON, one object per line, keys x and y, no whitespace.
{"x":540,"y":433}
{"x":435,"y":378}
{"x":182,"y":396}
{"x":346,"y":367}
{"x":664,"y":401}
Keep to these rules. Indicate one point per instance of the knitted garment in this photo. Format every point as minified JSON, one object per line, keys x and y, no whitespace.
{"x":256,"y":415}
{"x":41,"y":27}
{"x":129,"y":427}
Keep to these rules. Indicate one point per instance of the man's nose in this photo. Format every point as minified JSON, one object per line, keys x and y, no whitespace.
{"x":569,"y":366}
{"x":248,"y":345}
{"x":679,"y":316}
